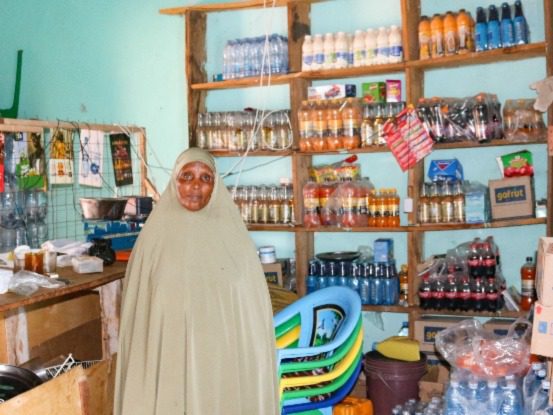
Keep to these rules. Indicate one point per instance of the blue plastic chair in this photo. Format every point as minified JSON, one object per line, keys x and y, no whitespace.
{"x":319,"y":350}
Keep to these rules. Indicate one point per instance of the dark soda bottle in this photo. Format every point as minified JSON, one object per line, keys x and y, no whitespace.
{"x":488,"y":261}
{"x":474,"y":261}
{"x":425,"y":293}
{"x":451,"y":293}
{"x":478,"y":295}
{"x":438,"y":294}
{"x":492,"y":295}
{"x":465,"y":297}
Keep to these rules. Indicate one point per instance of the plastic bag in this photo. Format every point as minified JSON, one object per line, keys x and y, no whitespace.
{"x":467,"y":345}
{"x":27,"y":282}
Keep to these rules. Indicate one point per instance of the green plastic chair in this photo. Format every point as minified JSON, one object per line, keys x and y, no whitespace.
{"x":12,"y":112}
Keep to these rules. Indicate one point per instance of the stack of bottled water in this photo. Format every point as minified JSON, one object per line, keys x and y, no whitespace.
{"x":414,"y":407}
{"x":468,"y":394}
{"x":255,"y":56}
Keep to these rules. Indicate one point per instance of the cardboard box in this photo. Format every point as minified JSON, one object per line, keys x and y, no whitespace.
{"x":334,"y":91}
{"x":512,"y":198}
{"x":434,"y":382}
{"x":427,"y":328}
{"x":273,"y":273}
{"x":542,"y":330}
{"x":374,"y":91}
{"x":499,"y":326}
{"x":544,"y":271}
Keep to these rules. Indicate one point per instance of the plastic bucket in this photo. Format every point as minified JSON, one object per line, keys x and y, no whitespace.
{"x":391,"y":382}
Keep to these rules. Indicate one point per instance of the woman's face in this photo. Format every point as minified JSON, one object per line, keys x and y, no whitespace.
{"x":195,"y":183}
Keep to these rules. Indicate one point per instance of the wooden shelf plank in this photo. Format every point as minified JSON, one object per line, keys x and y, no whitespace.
{"x":477,"y":58}
{"x":462,"y":226}
{"x":492,"y":143}
{"x":270,"y":227}
{"x":329,"y":229}
{"x":237,"y":5}
{"x":255,"y":153}
{"x":244,"y":82}
{"x":354,"y":72}
{"x":499,"y":313}
{"x":386,"y":308}
{"x":372,"y":149}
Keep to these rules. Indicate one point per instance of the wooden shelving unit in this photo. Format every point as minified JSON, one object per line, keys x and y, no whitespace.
{"x":299,"y":24}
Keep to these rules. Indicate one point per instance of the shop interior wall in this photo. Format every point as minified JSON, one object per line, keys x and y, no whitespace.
{"x":122,"y":62}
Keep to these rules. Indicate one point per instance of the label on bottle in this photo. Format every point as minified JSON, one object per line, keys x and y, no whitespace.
{"x":396,"y":51}
{"x":319,"y":58}
{"x":527,"y":288}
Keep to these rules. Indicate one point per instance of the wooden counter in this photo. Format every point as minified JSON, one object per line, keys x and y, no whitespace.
{"x":53,"y":321}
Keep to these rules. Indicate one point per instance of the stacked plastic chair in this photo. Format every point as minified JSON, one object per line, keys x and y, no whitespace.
{"x":319,"y":356}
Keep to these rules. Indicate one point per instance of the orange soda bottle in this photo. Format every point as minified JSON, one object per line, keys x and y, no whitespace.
{"x":318,"y":114}
{"x":450,"y":34}
{"x":373,"y":207}
{"x":394,"y":214}
{"x":334,"y":125}
{"x":425,"y":38}
{"x":528,"y":284}
{"x":382,"y":220}
{"x":305,"y":126}
{"x":437,"y":31}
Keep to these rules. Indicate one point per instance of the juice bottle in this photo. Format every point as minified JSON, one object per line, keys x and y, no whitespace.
{"x":351,"y":120}
{"x":458,"y":202}
{"x":307,"y":53}
{"x":346,"y":189}
{"x":334,"y":125}
{"x":425,"y":38}
{"x":450,"y":33}
{"x":464,"y":31}
{"x":437,"y":30}
{"x":378,"y":125}
{"x":329,"y":50}
{"x":328,"y":212}
{"x":370,"y":47}
{"x":382,"y":202}
{"x":318,"y":114}
{"x":372,"y":206}
{"x":305,"y":122}
{"x":435,"y":205}
{"x":361,"y":208}
{"x":423,"y":210}
{"x":311,"y":205}
{"x":367,"y":131}
{"x":359,"y":51}
{"x":403,"y":286}
{"x":394,"y":217}
{"x":528,"y":284}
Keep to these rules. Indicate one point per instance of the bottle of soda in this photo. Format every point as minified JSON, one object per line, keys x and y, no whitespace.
{"x":403,"y":286}
{"x":438,"y":294}
{"x":452,"y":293}
{"x":492,"y":295}
{"x":528,"y":284}
{"x":478,"y":295}
{"x":473,"y":260}
{"x":425,"y":293}
{"x":488,"y":260}
{"x":465,"y":297}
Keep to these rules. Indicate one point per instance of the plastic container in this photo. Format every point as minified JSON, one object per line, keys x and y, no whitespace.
{"x":392,"y":382}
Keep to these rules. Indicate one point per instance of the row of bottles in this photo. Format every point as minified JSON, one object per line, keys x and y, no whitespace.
{"x":457,"y":33}
{"x":344,"y":124}
{"x":455,"y":119}
{"x":344,"y":50}
{"x":441,"y":202}
{"x":414,"y":407}
{"x":255,"y":56}
{"x":349,"y":204}
{"x":241,"y":130}
{"x":265,"y":204}
{"x":376,"y":283}
{"x":508,"y":395}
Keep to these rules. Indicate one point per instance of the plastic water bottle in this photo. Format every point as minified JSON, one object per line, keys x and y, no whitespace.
{"x":531,"y":383}
{"x":318,"y":52}
{"x":329,"y":51}
{"x":541,"y":398}
{"x":238,"y":59}
{"x":395,"y":45}
{"x":341,"y":49}
{"x":370,"y":47}
{"x":494,"y":31}
{"x":284,"y":52}
{"x":494,"y":397}
{"x":455,"y":403}
{"x":249,"y":57}
{"x":520,"y":25}
{"x":359,"y":51}
{"x":364,"y":290}
{"x":355,"y":277}
{"x":321,"y":277}
{"x":227,"y":60}
{"x":350,"y":49}
{"x":511,"y":404}
{"x":382,"y":46}
{"x":481,"y":31}
{"x":507,"y":31}
{"x":307,"y":53}
{"x":311,"y":280}
{"x":275,"y":46}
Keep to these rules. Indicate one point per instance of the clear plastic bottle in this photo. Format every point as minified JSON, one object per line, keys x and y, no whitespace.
{"x":359,"y":51}
{"x":382,"y":46}
{"x":370,"y":47}
{"x":511,"y":404}
{"x":329,"y":51}
{"x":541,"y":397}
{"x":228,"y":60}
{"x":318,"y":52}
{"x":454,"y":400}
{"x":395,"y":45}
{"x":307,"y":53}
{"x":201,"y":132}
{"x":341,"y":48}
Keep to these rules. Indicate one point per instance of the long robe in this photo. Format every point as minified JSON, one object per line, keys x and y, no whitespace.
{"x":196,"y":333}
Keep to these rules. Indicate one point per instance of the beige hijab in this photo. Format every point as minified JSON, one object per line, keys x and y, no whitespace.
{"x":196,"y":332}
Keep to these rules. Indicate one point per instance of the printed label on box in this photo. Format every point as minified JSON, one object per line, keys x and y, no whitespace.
{"x":510,"y":194}
{"x":430,"y":333}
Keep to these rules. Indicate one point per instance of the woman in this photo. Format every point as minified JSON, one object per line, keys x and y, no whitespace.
{"x":196,"y":332}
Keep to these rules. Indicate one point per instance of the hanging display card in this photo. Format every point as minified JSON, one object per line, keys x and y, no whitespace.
{"x":120,"y":145}
{"x":407,"y":139}
{"x":24,"y":154}
{"x":91,"y":156}
{"x":60,"y":166}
